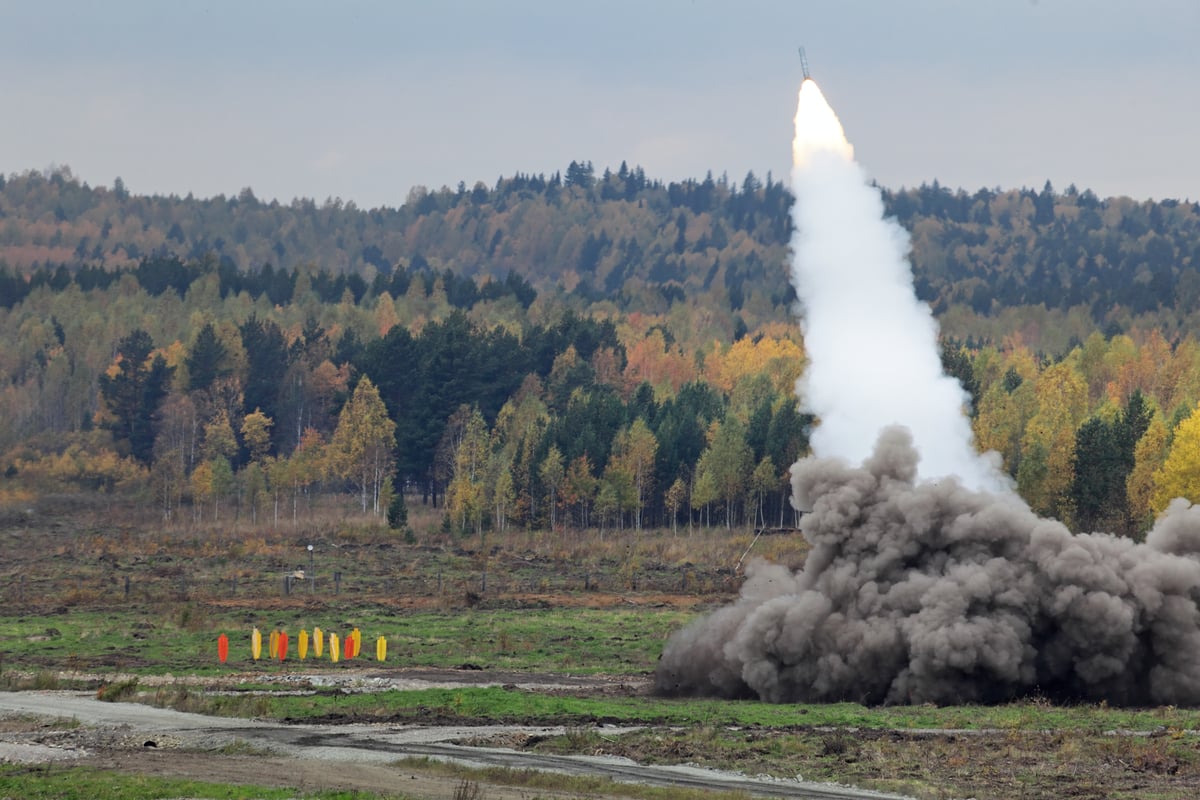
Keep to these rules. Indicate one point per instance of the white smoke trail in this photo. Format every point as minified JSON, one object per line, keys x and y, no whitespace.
{"x":872,"y":346}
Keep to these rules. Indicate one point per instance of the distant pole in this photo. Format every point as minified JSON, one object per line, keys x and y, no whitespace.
{"x":312,"y":575}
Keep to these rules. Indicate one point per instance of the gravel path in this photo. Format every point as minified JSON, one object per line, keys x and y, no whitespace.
{"x":124,"y":735}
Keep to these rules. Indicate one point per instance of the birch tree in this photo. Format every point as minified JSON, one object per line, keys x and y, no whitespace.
{"x":552,"y":471}
{"x":466,"y":492}
{"x":633,"y":457}
{"x":361,"y":449}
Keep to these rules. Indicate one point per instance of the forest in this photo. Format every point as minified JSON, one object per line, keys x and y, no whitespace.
{"x":577,"y":350}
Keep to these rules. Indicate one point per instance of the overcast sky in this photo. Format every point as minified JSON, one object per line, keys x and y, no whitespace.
{"x":364,"y":100}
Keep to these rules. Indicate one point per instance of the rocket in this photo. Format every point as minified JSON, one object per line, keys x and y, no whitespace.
{"x":804,"y":65}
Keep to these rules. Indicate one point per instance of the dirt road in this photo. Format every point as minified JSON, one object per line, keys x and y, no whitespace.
{"x":140,"y":738}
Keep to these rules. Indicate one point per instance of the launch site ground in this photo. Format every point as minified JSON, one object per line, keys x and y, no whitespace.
{"x":537,"y":685}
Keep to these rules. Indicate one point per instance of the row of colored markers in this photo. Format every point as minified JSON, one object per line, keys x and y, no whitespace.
{"x":278,"y":643}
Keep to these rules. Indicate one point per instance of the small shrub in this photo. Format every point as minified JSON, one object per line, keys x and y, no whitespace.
{"x":46,"y":680}
{"x":580,"y":739}
{"x":240,"y":747}
{"x":397,"y":512}
{"x":468,"y":790}
{"x":113,"y":692}
{"x":837,"y":744}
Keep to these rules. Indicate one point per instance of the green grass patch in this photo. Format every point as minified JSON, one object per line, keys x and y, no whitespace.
{"x":84,"y":783}
{"x":500,"y":705}
{"x":149,"y":640}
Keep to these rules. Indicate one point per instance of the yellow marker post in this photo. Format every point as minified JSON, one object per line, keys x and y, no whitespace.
{"x":333,"y":648}
{"x":256,"y":644}
{"x":357,"y":634}
{"x":318,"y":642}
{"x":381,"y":649}
{"x":273,"y":645}
{"x":302,"y":644}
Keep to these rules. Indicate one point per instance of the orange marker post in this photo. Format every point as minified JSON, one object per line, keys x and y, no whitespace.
{"x":222,"y":648}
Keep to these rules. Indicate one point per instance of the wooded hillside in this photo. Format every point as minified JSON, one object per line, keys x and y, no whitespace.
{"x":579,"y":349}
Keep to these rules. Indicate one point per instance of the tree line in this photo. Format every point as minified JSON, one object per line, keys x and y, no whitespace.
{"x":560,"y":394}
{"x":582,"y":422}
{"x":557,"y":425}
{"x":1048,"y":265}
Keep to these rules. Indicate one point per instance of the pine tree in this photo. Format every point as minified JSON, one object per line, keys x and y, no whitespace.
{"x":206,"y":360}
{"x":132,"y":389}
{"x":397,"y":512}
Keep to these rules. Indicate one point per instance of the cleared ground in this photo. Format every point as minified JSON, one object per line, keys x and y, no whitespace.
{"x":166,"y":742}
{"x":563,"y":618}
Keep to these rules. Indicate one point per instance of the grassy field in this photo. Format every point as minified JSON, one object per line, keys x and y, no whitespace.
{"x":523,"y":603}
{"x":461,"y":783}
{"x":504,"y":705}
{"x":57,"y":559}
{"x":83,"y":783}
{"x":80,"y":593}
{"x":182,"y":638}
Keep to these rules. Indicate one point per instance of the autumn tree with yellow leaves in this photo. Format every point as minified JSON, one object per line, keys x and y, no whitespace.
{"x":361,"y":450}
{"x":1179,"y":476}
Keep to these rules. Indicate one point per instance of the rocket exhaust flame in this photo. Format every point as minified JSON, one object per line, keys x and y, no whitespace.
{"x":817,"y":128}
{"x":928,"y":579}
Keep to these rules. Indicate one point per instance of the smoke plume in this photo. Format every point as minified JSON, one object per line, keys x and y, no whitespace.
{"x":919,"y":592}
{"x":872,"y":346}
{"x":928,"y":580}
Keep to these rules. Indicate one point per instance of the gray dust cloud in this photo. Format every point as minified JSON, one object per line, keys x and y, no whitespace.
{"x":929,"y":592}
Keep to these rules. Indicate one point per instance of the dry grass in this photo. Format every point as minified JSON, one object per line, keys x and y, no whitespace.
{"x":90,"y":559}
